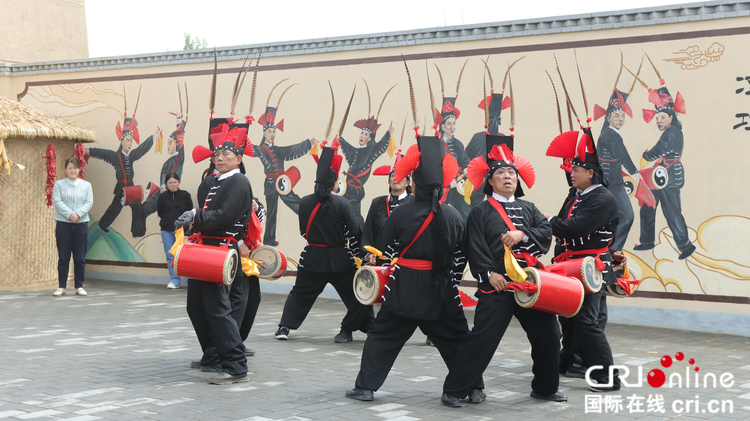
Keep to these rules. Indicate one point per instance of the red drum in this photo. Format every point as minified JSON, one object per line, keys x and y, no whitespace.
{"x":629,"y":183}
{"x":370,"y":283}
{"x":271,"y":262}
{"x":557,"y":294}
{"x":656,"y":177}
{"x":582,"y":269}
{"x":132,"y":195}
{"x":616,"y":290}
{"x":286,"y":182}
{"x":206,"y":263}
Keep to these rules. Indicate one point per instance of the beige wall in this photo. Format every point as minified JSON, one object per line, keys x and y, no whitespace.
{"x":714,"y":154}
{"x":42,"y":30}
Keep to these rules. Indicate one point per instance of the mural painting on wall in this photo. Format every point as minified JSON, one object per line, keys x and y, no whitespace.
{"x":682,"y":256}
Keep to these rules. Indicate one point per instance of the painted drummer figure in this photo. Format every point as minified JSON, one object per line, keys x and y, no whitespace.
{"x":428,"y":240}
{"x":332,"y":231}
{"x":222,"y":222}
{"x":586,"y":226}
{"x":503,"y":220}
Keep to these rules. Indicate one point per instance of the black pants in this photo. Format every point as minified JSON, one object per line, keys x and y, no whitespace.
{"x":253,"y":302}
{"x":391,"y":331}
{"x":671,"y":207}
{"x":570,"y":352}
{"x":354,"y":196}
{"x":210,"y":311}
{"x":272,"y":210}
{"x":307,"y":288}
{"x":71,"y":238}
{"x":589,"y":334}
{"x":491,"y":319}
{"x":137,"y":225}
{"x":456,"y":200}
{"x":625,"y":210}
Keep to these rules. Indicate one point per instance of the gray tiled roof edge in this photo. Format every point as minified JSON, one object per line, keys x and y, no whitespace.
{"x":523,"y":27}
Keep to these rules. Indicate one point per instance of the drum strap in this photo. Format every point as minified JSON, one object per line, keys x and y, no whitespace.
{"x":307,"y":231}
{"x":572,"y":205}
{"x":124,"y":174}
{"x":277,"y":174}
{"x":416,"y":263}
{"x":666,"y":161}
{"x":354,"y":181}
{"x":530,"y":260}
{"x":566,"y":255}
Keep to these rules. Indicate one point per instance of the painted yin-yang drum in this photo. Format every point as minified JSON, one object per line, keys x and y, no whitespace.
{"x":370,"y":282}
{"x":286,"y":182}
{"x":557,"y":294}
{"x":340,"y":187}
{"x":272,"y":262}
{"x":582,"y":269}
{"x":629,"y":183}
{"x":132,"y":195}
{"x":656,"y":177}
{"x":206,"y":263}
{"x":616,"y":290}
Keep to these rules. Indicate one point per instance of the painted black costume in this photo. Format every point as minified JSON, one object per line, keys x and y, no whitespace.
{"x":360,"y":160}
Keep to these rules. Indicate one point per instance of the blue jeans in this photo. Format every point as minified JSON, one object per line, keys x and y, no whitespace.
{"x":167,"y":238}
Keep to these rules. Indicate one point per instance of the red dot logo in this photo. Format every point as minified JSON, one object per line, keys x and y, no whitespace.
{"x":692,"y":361}
{"x":656,"y":378}
{"x":696,"y":368}
{"x":666,"y":361}
{"x":679,"y":356}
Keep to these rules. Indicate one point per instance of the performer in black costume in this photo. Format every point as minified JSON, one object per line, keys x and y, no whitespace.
{"x":613,"y":155}
{"x":428,"y":239}
{"x":329,"y":225}
{"x":175,"y":162}
{"x":446,"y":121}
{"x":122,"y":161}
{"x":222,"y":222}
{"x":399,"y":193}
{"x":585,"y":226}
{"x":273,"y":157}
{"x":504,"y":220}
{"x":668,"y":154}
{"x":360,"y":159}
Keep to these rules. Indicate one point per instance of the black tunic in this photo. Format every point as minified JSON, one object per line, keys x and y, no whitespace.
{"x":376,"y":217}
{"x":335,"y":227}
{"x":121,"y":162}
{"x":229,"y":204}
{"x":173,"y":164}
{"x":484,"y":230}
{"x":613,"y":155}
{"x":669,"y":146}
{"x":591,"y":224}
{"x":415,"y":293}
{"x":360,"y":160}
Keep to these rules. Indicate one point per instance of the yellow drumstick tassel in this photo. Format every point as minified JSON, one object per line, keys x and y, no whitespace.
{"x":515,"y":273}
{"x":644,"y":163}
{"x":374,"y":251}
{"x":468,"y":190}
{"x":626,"y":273}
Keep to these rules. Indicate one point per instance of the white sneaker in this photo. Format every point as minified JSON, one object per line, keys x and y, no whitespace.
{"x":81,"y":291}
{"x":59,"y":292}
{"x":172,"y":286}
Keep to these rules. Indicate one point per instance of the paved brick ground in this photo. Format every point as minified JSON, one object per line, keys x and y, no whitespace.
{"x":123,"y":353}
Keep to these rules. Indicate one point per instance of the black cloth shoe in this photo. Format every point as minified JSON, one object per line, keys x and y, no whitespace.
{"x":343,"y":336}
{"x":195,"y":364}
{"x":643,"y":247}
{"x":685,"y":254}
{"x":450,"y":401}
{"x":603,"y":388}
{"x":249,"y":352}
{"x":360,"y":394}
{"x":476,"y":396}
{"x":555,"y":397}
{"x":226,"y":378}
{"x":576,"y":371}
{"x":282,"y":334}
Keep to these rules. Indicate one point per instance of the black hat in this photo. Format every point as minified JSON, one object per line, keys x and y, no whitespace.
{"x":499,"y":153}
{"x":617,"y":101}
{"x":663,"y":103}
{"x":579,"y":148}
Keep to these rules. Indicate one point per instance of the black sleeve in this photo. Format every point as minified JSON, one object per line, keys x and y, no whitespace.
{"x":352,"y":230}
{"x":621,"y":152}
{"x":110,"y":157}
{"x":539,"y":232}
{"x":664,"y":146}
{"x":289,"y":153}
{"x":459,"y":255}
{"x":141,"y":150}
{"x":160,"y":206}
{"x":367,"y":230}
{"x":596,"y":214}
{"x":481,"y":261}
{"x":231,"y":210}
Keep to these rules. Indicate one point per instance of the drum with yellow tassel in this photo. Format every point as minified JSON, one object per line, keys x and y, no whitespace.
{"x":582,"y":269}
{"x":370,"y":282}
{"x":616,"y":290}
{"x":271,"y":262}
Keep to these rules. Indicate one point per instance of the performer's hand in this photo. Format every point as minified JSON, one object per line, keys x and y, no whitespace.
{"x":86,"y":151}
{"x":184,"y":220}
{"x":158,"y":132}
{"x":244,"y":251}
{"x":390,"y":129}
{"x":255,"y":206}
{"x":162,"y":190}
{"x":370,"y":258}
{"x":498,"y":281}
{"x":546,"y":215}
{"x":74,"y":218}
{"x":620,"y":257}
{"x":511,"y":238}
